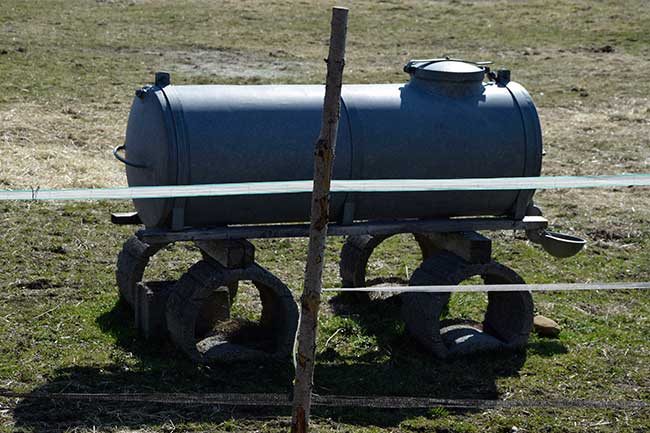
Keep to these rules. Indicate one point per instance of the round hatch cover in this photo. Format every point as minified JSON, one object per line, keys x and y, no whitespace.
{"x":445,"y":70}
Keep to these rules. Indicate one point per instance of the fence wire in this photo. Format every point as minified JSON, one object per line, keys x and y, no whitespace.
{"x":336,"y":401}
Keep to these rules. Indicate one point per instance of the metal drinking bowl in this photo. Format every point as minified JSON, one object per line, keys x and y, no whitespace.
{"x":561,"y":245}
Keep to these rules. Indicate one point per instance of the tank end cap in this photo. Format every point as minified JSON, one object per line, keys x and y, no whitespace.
{"x":162,"y":79}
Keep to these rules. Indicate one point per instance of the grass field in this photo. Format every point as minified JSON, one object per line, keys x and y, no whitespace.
{"x":69,"y":69}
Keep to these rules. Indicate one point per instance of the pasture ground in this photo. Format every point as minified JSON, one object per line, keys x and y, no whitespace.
{"x":68,"y":72}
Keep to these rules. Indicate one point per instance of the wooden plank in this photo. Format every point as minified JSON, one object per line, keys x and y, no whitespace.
{"x":154,"y":236}
{"x":125,"y":218}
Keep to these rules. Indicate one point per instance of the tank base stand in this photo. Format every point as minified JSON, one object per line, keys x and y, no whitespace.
{"x":471,"y":246}
{"x":131,"y":263}
{"x":216,"y":349}
{"x":508,"y":319}
{"x":353,"y":265}
{"x":149,"y":307}
{"x":235,"y":253}
{"x":201,"y":335}
{"x":229,"y":253}
{"x":467,"y":339}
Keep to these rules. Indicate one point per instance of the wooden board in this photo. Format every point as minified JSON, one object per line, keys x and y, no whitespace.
{"x":154,"y":236}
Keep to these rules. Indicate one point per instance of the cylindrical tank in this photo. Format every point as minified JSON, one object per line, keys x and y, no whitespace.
{"x":443,"y":123}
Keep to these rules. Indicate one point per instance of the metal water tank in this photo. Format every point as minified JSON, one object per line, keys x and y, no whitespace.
{"x":445,"y":122}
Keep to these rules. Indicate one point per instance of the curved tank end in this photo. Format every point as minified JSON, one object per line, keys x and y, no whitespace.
{"x":149,"y":144}
{"x":533,"y":136}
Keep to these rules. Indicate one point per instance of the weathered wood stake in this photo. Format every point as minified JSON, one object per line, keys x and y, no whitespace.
{"x":323,"y":159}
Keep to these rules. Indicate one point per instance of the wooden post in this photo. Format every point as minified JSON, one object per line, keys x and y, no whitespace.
{"x":323,"y":159}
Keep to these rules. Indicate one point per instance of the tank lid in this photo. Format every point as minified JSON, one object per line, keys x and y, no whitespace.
{"x":446,"y":69}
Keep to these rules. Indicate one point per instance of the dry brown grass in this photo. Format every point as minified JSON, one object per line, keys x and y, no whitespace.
{"x":52,"y":147}
{"x":597,"y":140}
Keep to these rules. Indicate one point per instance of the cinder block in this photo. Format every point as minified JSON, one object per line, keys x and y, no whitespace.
{"x":150,"y":300}
{"x":230,"y":254}
{"x":471,"y":246}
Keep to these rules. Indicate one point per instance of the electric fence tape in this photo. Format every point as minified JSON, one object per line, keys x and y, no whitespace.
{"x":497,"y":287}
{"x":338,"y":186}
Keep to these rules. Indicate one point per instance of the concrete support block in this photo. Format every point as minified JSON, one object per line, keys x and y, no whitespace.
{"x":131,"y":263}
{"x":230,"y":254}
{"x":472,"y":247}
{"x":206,"y":280}
{"x":149,"y":307}
{"x":507,"y":322}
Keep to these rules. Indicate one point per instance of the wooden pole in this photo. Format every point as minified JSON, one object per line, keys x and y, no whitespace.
{"x":323,"y":159}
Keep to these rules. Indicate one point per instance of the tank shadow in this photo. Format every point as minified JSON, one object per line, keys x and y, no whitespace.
{"x":50,"y":415}
{"x":396,"y":368}
{"x":158,"y":368}
{"x":161,"y":353}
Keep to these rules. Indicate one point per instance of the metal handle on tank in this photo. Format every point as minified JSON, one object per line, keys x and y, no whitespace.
{"x":116,"y":154}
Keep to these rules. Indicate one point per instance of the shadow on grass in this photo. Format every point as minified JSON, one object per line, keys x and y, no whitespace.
{"x":397,"y":369}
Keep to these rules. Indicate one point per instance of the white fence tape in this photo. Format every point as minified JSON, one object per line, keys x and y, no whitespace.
{"x":338,"y":186}
{"x":497,"y":287}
